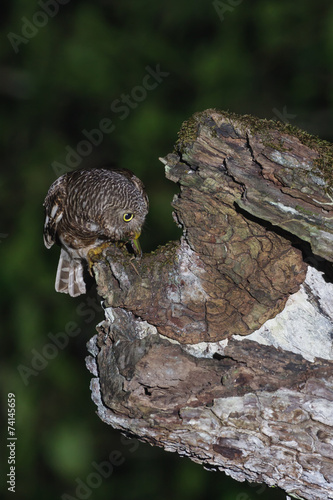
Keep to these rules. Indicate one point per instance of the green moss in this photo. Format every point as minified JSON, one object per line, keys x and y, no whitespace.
{"x":187,"y":134}
{"x":189,"y":130}
{"x":322,"y":166}
{"x":303,"y":210}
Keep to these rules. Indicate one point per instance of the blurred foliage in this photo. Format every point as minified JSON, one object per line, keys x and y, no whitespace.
{"x":271,"y":58}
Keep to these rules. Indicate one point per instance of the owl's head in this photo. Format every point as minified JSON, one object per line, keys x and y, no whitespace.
{"x":125,"y":218}
{"x":127,"y":221}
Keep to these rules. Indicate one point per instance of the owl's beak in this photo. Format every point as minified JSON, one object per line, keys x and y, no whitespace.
{"x":136,"y":245}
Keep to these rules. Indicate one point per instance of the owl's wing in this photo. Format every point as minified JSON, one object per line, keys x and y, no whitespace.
{"x":54,"y":209}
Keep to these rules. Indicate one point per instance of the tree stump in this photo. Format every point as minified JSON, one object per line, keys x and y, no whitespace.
{"x":219,"y":346}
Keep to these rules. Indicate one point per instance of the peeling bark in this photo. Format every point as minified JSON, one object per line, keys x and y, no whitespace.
{"x":183,"y":359}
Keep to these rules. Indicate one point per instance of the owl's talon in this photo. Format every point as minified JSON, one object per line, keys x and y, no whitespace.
{"x":94,"y":255}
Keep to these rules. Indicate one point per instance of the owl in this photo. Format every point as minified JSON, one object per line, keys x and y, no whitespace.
{"x":85,"y":211}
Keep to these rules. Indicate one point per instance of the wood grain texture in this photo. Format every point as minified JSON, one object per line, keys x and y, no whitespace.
{"x":256,"y":413}
{"x":254,"y":202}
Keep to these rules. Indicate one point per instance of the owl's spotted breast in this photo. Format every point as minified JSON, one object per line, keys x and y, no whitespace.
{"x":86,"y":208}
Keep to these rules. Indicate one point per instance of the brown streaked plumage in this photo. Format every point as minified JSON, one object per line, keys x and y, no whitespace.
{"x":86,"y":209}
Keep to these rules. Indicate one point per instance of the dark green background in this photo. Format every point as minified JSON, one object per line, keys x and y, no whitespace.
{"x":269,"y":58}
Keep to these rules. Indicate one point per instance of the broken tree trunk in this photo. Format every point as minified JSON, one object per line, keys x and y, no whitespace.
{"x":219,"y":346}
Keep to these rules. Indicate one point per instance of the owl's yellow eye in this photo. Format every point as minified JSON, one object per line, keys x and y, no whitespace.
{"x":128,"y":217}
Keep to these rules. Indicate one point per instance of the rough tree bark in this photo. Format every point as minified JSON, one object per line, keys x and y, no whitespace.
{"x":219,"y":346}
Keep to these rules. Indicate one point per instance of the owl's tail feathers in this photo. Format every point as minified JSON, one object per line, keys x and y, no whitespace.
{"x":69,"y":277}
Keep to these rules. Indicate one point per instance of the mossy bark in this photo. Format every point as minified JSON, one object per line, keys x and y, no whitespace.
{"x":252,"y":203}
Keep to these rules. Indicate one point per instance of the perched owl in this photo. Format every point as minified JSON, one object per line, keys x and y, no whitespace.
{"x":84,"y":211}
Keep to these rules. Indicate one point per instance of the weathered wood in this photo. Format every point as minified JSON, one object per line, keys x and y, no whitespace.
{"x":168,"y":363}
{"x":257,"y":413}
{"x":285,"y":176}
